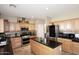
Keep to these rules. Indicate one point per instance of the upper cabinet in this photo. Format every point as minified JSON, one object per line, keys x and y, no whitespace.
{"x":1,"y":25}
{"x":76,"y":24}
{"x":4,"y":25}
{"x":31,"y":27}
{"x":66,"y":25}
{"x":14,"y":26}
{"x":27,"y":24}
{"x":17,"y":27}
{"x":24,"y":25}
{"x":61,"y":25}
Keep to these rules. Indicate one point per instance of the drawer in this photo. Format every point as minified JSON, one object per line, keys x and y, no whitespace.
{"x":16,"y":45}
{"x":13,"y":41}
{"x":16,"y":42}
{"x":17,"y":39}
{"x":75,"y":44}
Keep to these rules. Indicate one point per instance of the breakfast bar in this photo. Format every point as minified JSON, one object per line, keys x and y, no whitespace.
{"x":41,"y":48}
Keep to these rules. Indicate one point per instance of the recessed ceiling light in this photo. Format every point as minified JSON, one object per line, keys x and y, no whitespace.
{"x":46,"y":8}
{"x":32,"y":16}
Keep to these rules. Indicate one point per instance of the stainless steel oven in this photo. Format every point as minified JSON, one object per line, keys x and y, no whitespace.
{"x":25,"y":35}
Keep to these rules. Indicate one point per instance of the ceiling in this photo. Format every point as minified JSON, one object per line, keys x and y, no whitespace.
{"x":40,"y":10}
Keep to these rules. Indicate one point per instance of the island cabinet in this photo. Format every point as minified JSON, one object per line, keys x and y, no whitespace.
{"x":41,"y":49}
{"x":16,"y":43}
{"x":66,"y":44}
{"x":75,"y":47}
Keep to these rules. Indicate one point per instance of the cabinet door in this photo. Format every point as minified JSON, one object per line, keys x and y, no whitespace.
{"x":61,"y":25}
{"x":75,"y":47}
{"x":1,"y":25}
{"x":12,"y":26}
{"x":17,"y":27}
{"x":31,"y":27}
{"x":16,"y":42}
{"x":76,"y":23}
{"x":35,"y":47}
{"x":67,"y":45}
{"x":6,"y":26}
{"x":69,"y":25}
{"x":65,"y":26}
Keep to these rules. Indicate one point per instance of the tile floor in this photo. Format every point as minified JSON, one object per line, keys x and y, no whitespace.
{"x":25,"y":50}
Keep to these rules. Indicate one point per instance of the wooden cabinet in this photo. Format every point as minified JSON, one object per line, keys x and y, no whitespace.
{"x":68,"y":26}
{"x":61,"y":26}
{"x":14,"y":26}
{"x":16,"y":42}
{"x":24,"y":25}
{"x":65,"y":26}
{"x":17,"y":27}
{"x":75,"y":47}
{"x":34,"y":47}
{"x":69,"y":46}
{"x":1,"y":25}
{"x":31,"y":27}
{"x":4,"y":25}
{"x":76,"y":27}
{"x":40,"y":49}
{"x":66,"y":44}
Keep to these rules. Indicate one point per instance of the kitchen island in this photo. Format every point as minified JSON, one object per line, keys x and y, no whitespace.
{"x":42,"y":48}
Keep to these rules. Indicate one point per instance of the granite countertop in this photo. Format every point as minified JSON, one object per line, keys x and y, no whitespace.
{"x":13,"y":36}
{"x":20,"y":36}
{"x":74,"y":40}
{"x":53,"y":44}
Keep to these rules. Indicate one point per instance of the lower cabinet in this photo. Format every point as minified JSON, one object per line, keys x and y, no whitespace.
{"x":66,"y":44}
{"x":69,"y":46}
{"x":75,"y":47}
{"x":16,"y":43}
